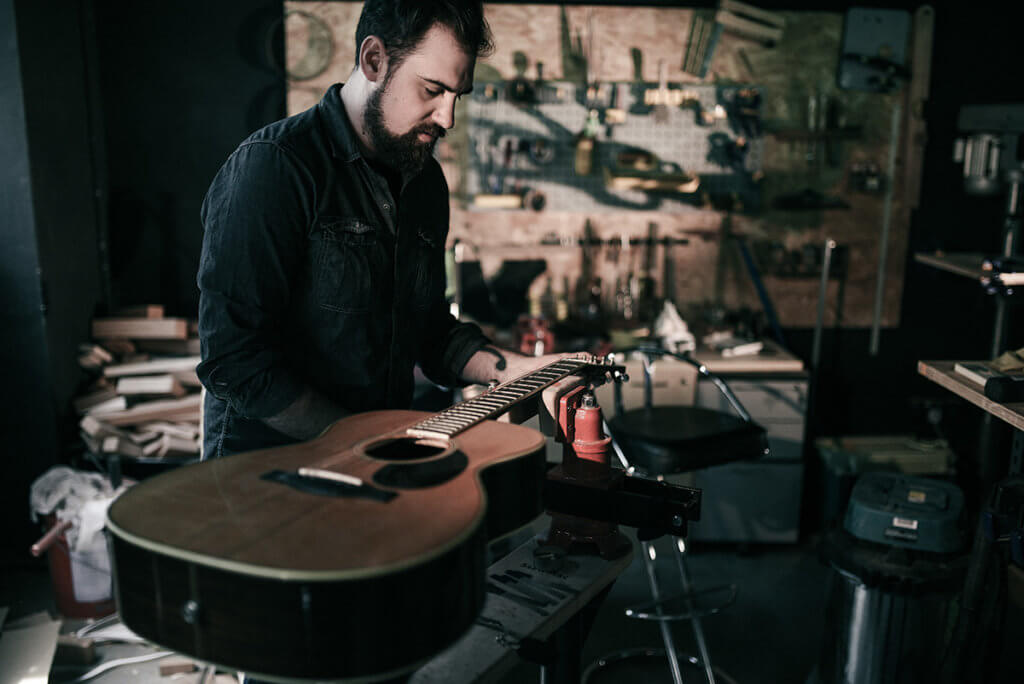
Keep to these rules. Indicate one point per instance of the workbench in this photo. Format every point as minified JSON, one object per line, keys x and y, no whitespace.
{"x":983,"y":557}
{"x":480,"y":656}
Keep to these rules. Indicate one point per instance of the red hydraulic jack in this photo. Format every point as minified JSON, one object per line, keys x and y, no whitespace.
{"x":586,"y":462}
{"x":588,"y":498}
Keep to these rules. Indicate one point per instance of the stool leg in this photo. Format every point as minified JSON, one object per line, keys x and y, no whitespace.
{"x":698,"y":629}
{"x":666,"y":633}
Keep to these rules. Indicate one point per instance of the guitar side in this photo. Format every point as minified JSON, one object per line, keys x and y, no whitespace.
{"x":213,"y":561}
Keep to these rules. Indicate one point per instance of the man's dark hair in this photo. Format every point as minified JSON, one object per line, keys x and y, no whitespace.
{"x":401,"y":24}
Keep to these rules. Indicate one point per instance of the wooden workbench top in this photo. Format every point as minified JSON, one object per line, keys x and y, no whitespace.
{"x":942,"y":373}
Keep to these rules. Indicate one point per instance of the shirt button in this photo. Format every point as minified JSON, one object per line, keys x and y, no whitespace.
{"x":387,"y":206}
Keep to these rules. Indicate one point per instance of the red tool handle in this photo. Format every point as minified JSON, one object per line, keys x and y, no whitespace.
{"x":47,"y":540}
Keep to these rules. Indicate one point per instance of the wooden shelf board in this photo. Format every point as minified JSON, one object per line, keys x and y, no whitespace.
{"x":942,"y":373}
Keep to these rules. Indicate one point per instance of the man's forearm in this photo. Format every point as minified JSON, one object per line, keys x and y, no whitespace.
{"x":307,"y":416}
{"x":491,"y":363}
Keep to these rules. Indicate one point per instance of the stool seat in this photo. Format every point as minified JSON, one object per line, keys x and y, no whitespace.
{"x":662,"y":440}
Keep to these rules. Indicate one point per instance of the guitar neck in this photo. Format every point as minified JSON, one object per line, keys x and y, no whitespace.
{"x":495,"y":402}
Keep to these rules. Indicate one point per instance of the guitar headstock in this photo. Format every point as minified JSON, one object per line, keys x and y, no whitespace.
{"x":604,"y":369}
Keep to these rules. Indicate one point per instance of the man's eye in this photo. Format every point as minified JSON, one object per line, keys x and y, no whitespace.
{"x":433,"y":93}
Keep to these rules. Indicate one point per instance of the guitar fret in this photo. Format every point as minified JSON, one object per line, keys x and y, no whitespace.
{"x":481,"y":401}
{"x":451,"y":415}
{"x":472,"y":410}
{"x":439,"y":427}
{"x":464,"y":417}
{"x":439,"y":420}
{"x":442,"y":423}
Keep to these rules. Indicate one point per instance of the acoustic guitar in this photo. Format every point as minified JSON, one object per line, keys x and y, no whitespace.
{"x":357,"y":555}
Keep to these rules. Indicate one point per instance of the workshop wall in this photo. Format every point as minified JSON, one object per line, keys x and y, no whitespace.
{"x":816,"y":143}
{"x":180,"y":86}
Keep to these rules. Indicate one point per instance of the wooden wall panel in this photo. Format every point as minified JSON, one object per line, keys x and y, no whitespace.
{"x":800,"y":67}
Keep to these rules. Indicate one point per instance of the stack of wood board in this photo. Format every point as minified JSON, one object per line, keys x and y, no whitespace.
{"x":144,"y":397}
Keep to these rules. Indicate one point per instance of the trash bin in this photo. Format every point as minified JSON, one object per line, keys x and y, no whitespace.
{"x":81,"y":579}
{"x":72,"y":505}
{"x":898,"y":561}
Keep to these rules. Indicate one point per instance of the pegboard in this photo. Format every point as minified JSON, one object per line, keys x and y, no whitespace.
{"x":695,"y":137}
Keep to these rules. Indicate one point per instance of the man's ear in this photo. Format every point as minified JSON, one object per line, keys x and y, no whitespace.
{"x":373,"y":59}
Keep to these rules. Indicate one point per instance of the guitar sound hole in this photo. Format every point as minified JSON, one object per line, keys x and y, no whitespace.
{"x":404,"y":449}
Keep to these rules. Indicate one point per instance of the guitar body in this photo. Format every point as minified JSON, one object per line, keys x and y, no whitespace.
{"x":222,"y":562}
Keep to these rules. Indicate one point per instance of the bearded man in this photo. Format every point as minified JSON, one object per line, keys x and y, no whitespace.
{"x":322,"y":269}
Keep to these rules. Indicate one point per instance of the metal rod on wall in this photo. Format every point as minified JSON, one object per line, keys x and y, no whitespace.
{"x":819,"y":324}
{"x":883,"y":248}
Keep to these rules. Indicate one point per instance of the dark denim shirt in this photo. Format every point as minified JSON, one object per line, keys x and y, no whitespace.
{"x":313,"y":275}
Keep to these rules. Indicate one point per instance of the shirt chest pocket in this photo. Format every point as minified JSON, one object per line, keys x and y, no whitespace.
{"x":428,"y":284}
{"x":349,"y":261}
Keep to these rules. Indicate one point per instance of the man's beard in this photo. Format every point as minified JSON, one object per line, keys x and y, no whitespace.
{"x":404,"y":152}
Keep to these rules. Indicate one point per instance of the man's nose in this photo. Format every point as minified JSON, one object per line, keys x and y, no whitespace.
{"x":444,"y":114}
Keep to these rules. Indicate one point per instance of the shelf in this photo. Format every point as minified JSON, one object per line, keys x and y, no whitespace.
{"x":942,"y":373}
{"x":970,"y":265}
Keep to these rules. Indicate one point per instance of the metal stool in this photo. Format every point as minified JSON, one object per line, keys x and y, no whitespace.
{"x":659,"y":441}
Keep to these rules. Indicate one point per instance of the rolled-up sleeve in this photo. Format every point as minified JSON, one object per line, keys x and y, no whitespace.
{"x":254,"y":218}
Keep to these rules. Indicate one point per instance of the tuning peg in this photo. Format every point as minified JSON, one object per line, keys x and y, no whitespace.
{"x":620,"y":376}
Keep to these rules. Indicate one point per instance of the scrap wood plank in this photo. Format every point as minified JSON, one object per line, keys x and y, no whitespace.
{"x":183,"y":430}
{"x":99,"y":429}
{"x":150,"y":384}
{"x":153,"y":366}
{"x":177,"y":666}
{"x":120,"y":345}
{"x":173,"y":410}
{"x":118,"y":445}
{"x":87,"y":401}
{"x":181,"y":347}
{"x":140,"y":328}
{"x":115,"y":403}
{"x":141,"y":311}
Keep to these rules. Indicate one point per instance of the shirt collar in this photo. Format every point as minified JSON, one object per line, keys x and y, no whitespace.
{"x":340,"y":133}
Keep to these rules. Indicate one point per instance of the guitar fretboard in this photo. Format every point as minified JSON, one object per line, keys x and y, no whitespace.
{"x":494,"y":402}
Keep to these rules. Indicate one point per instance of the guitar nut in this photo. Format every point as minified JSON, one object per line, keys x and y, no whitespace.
{"x":190,"y":612}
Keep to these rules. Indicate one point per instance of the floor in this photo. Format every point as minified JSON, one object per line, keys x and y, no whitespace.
{"x":771,"y":633}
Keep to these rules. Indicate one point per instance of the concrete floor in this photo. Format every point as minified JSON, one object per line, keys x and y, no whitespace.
{"x":771,"y":633}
